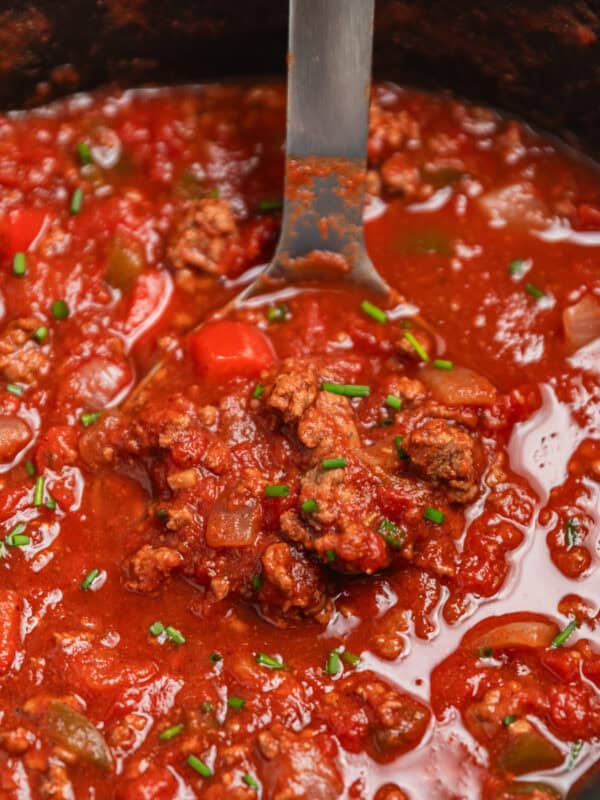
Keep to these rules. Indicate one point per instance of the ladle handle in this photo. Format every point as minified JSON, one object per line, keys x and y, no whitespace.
{"x":329,"y":75}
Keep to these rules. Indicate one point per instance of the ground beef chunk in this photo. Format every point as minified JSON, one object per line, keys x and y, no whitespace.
{"x":299,"y":766}
{"x":365,"y":711}
{"x":443,"y":453}
{"x":148,"y":569}
{"x":202,"y":236}
{"x":56,"y":785}
{"x":401,"y":177}
{"x":294,"y":388}
{"x":326,"y":422}
{"x":407,"y":349}
{"x":22,"y":359}
{"x":329,"y":426}
{"x":388,"y":131}
{"x":293,"y":584}
{"x":343,"y":529}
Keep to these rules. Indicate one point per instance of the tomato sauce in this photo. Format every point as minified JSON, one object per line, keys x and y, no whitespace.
{"x":324,"y":547}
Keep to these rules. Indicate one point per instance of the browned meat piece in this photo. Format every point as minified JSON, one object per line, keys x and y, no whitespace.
{"x":365,"y":711}
{"x":14,"y":435}
{"x":409,"y":389}
{"x":390,"y":792}
{"x":400,"y":176}
{"x":443,"y":453}
{"x":299,"y":766}
{"x":406,"y":348}
{"x":56,"y":785}
{"x":16,"y":741}
{"x":328,"y":426}
{"x":293,"y":584}
{"x":202,"y":236}
{"x":294,"y":389}
{"x":343,"y":529}
{"x":388,"y":131}
{"x":22,"y":359}
{"x":148,"y":569}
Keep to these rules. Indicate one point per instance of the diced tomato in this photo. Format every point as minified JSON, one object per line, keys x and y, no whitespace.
{"x":157,"y":783}
{"x":21,"y":228}
{"x":563,"y":663}
{"x":226,"y":349}
{"x":10,"y":609}
{"x":149,"y":300}
{"x":58,"y":446}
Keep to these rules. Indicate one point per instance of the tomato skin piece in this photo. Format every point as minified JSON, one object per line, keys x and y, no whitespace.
{"x":226,"y":349}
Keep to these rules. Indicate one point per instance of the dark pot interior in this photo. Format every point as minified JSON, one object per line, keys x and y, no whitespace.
{"x":539,"y":59}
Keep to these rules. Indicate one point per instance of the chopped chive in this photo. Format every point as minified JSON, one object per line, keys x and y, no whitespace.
{"x":174,"y":635}
{"x":391,"y":534}
{"x":170,"y":733}
{"x":16,"y":537}
{"x":89,"y":419}
{"x":562,"y":637}
{"x":215,"y":657}
{"x":485,"y":652}
{"x":508,"y":720}
{"x":14,"y":388}
{"x":85,"y":154}
{"x":19,"y":265}
{"x":256,"y":582}
{"x":89,"y":579}
{"x":162,"y":514}
{"x":50,"y":503}
{"x":309,"y":506}
{"x":199,"y":766}
{"x":378,"y":314}
{"x":347,"y":389}
{"x":441,"y":363}
{"x":434,"y":515}
{"x":76,"y":201}
{"x":206,"y":707}
{"x":236,"y":702}
{"x":270,"y":205}
{"x":330,"y":555}
{"x":386,"y":422}
{"x":30,"y":468}
{"x":277,"y":313}
{"x":40,"y":333}
{"x":351,"y":658}
{"x":251,"y":781}
{"x":418,"y":347}
{"x":571,"y":530}
{"x":334,"y":463}
{"x":156,"y":628}
{"x":574,"y":753}
{"x":534,"y":291}
{"x":59,"y":309}
{"x":516,"y":266}
{"x":334,"y":663}
{"x":393,"y":402}
{"x":258,"y":390}
{"x":269,"y":661}
{"x":214,"y":192}
{"x":17,"y":540}
{"x":277,"y":490}
{"x":401,"y":451}
{"x":38,"y":492}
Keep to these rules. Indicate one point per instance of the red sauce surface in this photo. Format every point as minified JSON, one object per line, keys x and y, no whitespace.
{"x":193,"y":602}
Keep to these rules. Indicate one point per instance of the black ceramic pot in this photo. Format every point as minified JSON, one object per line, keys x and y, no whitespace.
{"x":539,"y":59}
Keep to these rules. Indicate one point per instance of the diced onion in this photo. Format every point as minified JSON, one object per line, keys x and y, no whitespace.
{"x":459,"y":387}
{"x":232,"y":526}
{"x":532,"y":632}
{"x":581,"y":322}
